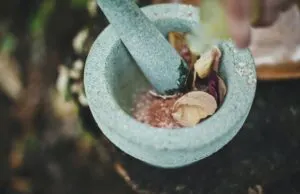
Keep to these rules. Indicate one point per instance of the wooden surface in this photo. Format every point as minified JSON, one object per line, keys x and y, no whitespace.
{"x":279,"y":72}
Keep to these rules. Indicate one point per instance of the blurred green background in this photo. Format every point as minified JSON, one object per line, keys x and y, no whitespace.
{"x":44,"y":145}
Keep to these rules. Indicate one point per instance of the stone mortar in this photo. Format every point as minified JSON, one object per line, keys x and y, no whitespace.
{"x":112,"y":78}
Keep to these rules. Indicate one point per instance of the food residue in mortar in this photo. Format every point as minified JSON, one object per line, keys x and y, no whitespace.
{"x":206,"y":92}
{"x":155,"y":111}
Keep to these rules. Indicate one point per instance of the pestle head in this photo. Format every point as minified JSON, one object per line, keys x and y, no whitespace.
{"x":158,"y":60}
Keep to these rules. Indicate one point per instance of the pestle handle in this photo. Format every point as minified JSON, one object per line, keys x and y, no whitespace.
{"x":158,"y":60}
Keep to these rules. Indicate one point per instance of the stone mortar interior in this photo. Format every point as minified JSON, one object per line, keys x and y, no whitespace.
{"x":126,"y":80}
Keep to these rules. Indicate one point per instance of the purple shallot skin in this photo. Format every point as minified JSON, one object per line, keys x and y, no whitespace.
{"x":213,"y":85}
{"x":186,"y":54}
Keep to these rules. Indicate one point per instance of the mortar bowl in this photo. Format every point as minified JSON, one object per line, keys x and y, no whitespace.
{"x":112,"y":78}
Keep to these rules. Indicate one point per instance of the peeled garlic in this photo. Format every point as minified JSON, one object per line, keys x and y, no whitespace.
{"x":192,"y":107}
{"x":217,"y":56}
{"x":208,"y":61}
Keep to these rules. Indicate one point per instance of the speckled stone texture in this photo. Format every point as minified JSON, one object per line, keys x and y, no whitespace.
{"x":158,"y":60}
{"x":111,"y":79}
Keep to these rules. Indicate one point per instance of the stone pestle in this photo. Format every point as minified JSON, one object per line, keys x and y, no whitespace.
{"x":158,"y":60}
